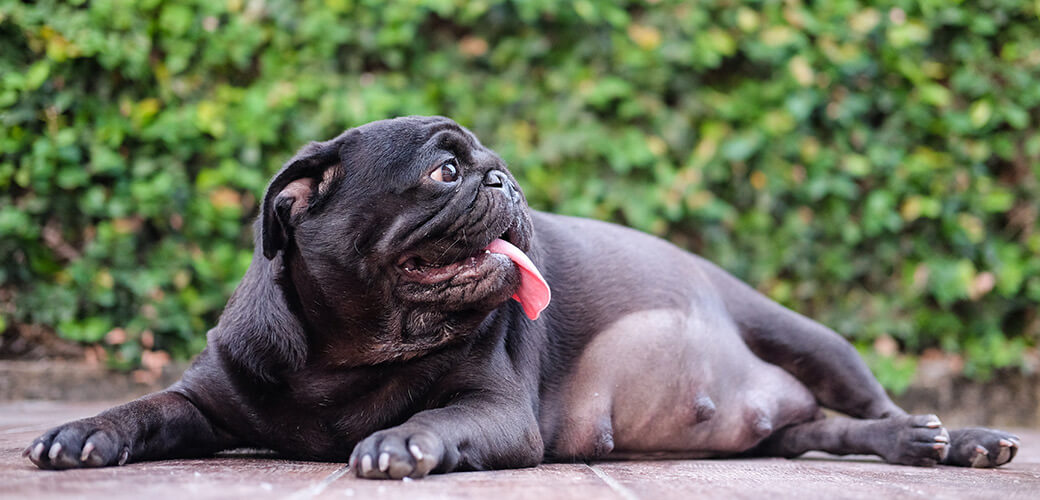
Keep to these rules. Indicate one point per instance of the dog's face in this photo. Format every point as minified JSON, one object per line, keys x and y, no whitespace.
{"x":409,"y":227}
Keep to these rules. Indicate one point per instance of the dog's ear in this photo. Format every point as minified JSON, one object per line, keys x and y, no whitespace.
{"x":258,"y":330}
{"x":310,"y":172}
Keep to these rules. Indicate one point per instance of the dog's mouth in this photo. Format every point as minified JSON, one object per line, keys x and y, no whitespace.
{"x":533,"y":293}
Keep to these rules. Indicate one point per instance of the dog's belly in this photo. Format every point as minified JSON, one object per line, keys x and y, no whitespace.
{"x":674,"y":381}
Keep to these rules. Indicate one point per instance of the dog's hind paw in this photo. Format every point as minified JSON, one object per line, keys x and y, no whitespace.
{"x":981,"y":447}
{"x":918,"y":440}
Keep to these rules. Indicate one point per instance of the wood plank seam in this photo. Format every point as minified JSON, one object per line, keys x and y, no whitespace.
{"x":613,"y":484}
{"x":317,"y":488}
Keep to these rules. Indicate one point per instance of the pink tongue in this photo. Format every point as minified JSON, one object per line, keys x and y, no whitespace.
{"x":533,"y":294}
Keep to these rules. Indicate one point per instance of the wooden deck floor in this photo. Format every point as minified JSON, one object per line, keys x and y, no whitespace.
{"x":256,"y":478}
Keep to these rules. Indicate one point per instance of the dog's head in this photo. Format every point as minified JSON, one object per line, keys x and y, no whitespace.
{"x":407,"y":226}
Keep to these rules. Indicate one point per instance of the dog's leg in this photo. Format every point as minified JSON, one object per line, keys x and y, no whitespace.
{"x":907,"y":439}
{"x":817,"y":356}
{"x":160,"y":425}
{"x":834,"y":372}
{"x":477,"y":432}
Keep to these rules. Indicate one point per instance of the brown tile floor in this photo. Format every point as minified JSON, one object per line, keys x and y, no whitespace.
{"x":816,"y":476}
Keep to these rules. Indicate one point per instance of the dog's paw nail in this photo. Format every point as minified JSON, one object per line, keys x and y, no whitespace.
{"x":1005,"y":443}
{"x":55,"y":451}
{"x":37,"y":452}
{"x":87,"y":448}
{"x":384,"y":462}
{"x":366,"y":464}
{"x":981,"y":459}
{"x":416,"y":452}
{"x":124,"y":456}
{"x":1004,"y":456}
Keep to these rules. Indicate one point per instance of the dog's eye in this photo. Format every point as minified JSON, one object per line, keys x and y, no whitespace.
{"x":448,"y":172}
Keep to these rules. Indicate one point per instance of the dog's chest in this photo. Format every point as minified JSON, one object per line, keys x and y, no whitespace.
{"x":322,"y":414}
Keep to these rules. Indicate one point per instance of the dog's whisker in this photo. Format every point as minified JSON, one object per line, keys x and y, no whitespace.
{"x":446,"y":250}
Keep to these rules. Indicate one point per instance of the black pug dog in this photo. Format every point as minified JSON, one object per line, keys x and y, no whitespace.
{"x":396,"y":312}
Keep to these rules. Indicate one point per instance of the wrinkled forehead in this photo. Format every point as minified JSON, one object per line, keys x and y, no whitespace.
{"x":402,"y":148}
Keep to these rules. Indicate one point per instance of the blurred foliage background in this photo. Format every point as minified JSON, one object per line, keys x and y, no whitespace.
{"x":873,"y":165}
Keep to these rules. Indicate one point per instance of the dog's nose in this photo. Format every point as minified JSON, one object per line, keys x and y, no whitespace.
{"x":497,"y":179}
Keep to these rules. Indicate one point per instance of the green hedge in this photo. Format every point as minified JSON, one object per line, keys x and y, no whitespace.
{"x":874,"y":166}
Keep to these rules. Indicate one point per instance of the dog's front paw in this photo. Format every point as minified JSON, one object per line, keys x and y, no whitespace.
{"x":91,"y":442}
{"x":918,"y":440}
{"x":397,"y":453}
{"x":981,"y":447}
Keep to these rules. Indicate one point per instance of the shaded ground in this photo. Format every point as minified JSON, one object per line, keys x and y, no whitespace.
{"x":245,"y":476}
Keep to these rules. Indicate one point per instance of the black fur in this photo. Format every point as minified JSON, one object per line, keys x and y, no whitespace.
{"x":338,"y":343}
